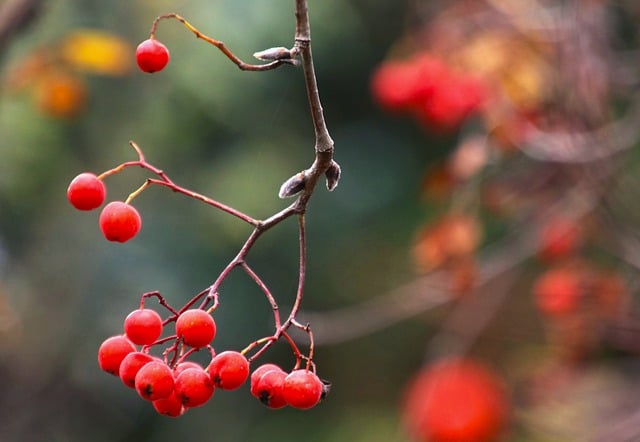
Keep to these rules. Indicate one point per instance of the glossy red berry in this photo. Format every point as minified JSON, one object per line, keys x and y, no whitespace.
{"x":229,"y":370}
{"x":257,"y":374}
{"x":269,"y":388}
{"x":143,"y":326}
{"x":169,"y":406}
{"x":194,"y":387}
{"x":111,"y":353}
{"x":302,"y":389}
{"x":196,"y":327}
{"x":154,"y":381}
{"x":131,"y":364}
{"x":119,"y":221}
{"x":182,"y":366}
{"x":455,"y":400}
{"x":86,"y":191}
{"x":152,"y":56}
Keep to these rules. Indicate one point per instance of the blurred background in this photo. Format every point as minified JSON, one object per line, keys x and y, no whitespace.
{"x":487,"y":209}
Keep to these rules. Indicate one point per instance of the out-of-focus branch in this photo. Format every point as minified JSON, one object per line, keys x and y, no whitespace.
{"x":14,"y":16}
{"x":430,"y":291}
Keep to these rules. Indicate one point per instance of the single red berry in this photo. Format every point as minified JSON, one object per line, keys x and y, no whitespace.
{"x":143,"y":326}
{"x":112,"y":351}
{"x":229,"y":370}
{"x":559,"y":238}
{"x":196,"y":327}
{"x":182,"y":366}
{"x":86,"y":191}
{"x":557,"y":291}
{"x":119,"y":221}
{"x":131,"y":364}
{"x":194,"y":387}
{"x":455,"y":400}
{"x":169,"y":406}
{"x":152,"y":56}
{"x":154,"y":381}
{"x":302,"y":389}
{"x":257,"y":374}
{"x":453,"y":100}
{"x":269,"y":389}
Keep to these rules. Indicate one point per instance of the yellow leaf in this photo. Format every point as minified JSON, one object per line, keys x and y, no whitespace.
{"x":97,"y":52}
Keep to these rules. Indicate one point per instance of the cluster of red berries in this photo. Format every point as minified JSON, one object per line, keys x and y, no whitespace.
{"x":456,"y":400}
{"x":119,"y":221}
{"x":175,"y":386}
{"x":427,"y":88}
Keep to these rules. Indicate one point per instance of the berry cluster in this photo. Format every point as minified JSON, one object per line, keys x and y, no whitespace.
{"x":427,"y":88}
{"x":171,"y":380}
{"x":119,"y":221}
{"x":173,"y":383}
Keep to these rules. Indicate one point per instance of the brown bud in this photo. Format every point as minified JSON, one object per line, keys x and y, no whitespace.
{"x":293,"y":185}
{"x":272,"y":54}
{"x":333,"y":175}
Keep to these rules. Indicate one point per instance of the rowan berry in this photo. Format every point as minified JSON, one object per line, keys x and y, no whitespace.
{"x":131,"y":364}
{"x":557,"y":291}
{"x":559,"y":238}
{"x":182,"y":366}
{"x":152,"y":56}
{"x":169,"y":406}
{"x":302,"y":389}
{"x":194,"y":387}
{"x":269,"y":388}
{"x":112,"y":351}
{"x":154,"y":381}
{"x":229,"y":370}
{"x":119,"y":221}
{"x":196,"y":327}
{"x":455,"y":400}
{"x":257,"y":374}
{"x":143,"y":326}
{"x":86,"y":191}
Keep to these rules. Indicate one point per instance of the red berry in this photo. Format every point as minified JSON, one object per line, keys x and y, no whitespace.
{"x":154,"y":381}
{"x":86,"y":192}
{"x":269,"y":388}
{"x":119,"y":221}
{"x":452,"y":101}
{"x":455,"y":401}
{"x":559,"y":238}
{"x":557,"y":291}
{"x":131,"y":364}
{"x":403,"y":85}
{"x":152,"y":56}
{"x":143,"y":326}
{"x":169,"y":406}
{"x":182,"y":366}
{"x":257,"y":374}
{"x":302,"y":389}
{"x":229,"y":370}
{"x":194,"y":387}
{"x":112,"y":351}
{"x":196,"y":327}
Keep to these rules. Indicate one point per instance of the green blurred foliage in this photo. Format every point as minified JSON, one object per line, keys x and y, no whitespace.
{"x":235,"y":136}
